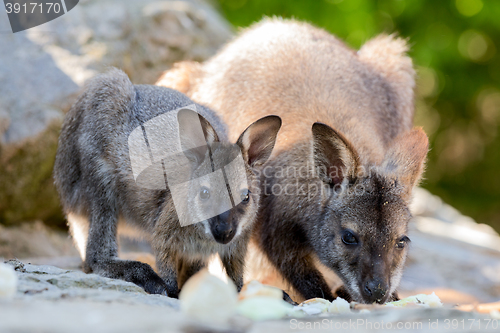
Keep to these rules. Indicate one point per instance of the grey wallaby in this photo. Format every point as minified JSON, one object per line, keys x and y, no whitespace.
{"x":95,"y":178}
{"x":337,"y":188}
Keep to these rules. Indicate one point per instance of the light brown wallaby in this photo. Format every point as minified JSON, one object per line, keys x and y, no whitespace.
{"x":337,"y":187}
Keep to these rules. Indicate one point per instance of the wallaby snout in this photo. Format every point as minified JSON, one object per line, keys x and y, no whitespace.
{"x":222,"y":228}
{"x":375,"y":291}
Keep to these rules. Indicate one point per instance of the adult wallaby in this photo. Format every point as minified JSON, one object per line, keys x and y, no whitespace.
{"x":337,"y":188}
{"x":112,"y":166}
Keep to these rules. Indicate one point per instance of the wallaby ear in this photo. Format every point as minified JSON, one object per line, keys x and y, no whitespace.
{"x":257,"y":141}
{"x":334,"y":156}
{"x":387,"y":54}
{"x":180,"y":77}
{"x":111,"y":91}
{"x":406,"y":157}
{"x":195,"y":133}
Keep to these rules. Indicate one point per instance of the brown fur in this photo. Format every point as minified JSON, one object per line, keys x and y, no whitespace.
{"x":361,"y":105}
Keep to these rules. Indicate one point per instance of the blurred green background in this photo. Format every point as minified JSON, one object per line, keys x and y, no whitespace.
{"x":455,"y":45}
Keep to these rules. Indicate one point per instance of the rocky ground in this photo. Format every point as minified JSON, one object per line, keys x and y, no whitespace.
{"x":50,"y":299}
{"x":451,"y":255}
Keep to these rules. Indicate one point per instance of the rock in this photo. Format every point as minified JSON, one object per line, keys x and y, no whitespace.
{"x":421,"y":300}
{"x":339,"y":305}
{"x":495,"y":314}
{"x":256,"y":289}
{"x":208,"y":299}
{"x":263,"y":308}
{"x":44,"y":68}
{"x":8,"y":281}
{"x":34,"y":240}
{"x":50,"y":299}
{"x":27,"y":192}
{"x":313,"y":306}
{"x":38,"y":282}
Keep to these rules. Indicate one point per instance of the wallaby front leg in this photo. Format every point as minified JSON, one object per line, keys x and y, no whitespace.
{"x":394,"y":297}
{"x":299,"y":270}
{"x":186,"y":269}
{"x":234,"y":265}
{"x":306,"y":279}
{"x":167,"y":268}
{"x":342,"y":293}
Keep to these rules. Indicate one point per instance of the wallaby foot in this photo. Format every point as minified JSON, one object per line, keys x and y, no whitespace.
{"x":132,"y":271}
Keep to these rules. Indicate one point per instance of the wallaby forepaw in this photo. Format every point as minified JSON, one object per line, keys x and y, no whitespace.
{"x":342,"y":293}
{"x":155,"y":285}
{"x":394,"y":297}
{"x":288,"y":299}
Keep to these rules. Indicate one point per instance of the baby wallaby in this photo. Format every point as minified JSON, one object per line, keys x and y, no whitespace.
{"x":337,"y":189}
{"x":149,"y":157}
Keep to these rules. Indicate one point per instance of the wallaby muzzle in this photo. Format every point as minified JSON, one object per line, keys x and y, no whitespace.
{"x":222,"y":229}
{"x":375,"y":291}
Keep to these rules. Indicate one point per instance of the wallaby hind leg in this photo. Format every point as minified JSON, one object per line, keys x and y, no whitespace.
{"x":102,"y":254}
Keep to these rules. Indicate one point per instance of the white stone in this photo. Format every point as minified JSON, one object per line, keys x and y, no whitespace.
{"x":339,"y":305}
{"x":208,"y":299}
{"x":263,"y":308}
{"x":431,"y":301}
{"x":313,"y":306}
{"x":256,"y":289}
{"x":8,"y":281}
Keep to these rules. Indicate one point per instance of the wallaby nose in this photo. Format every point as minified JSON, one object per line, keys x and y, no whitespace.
{"x":375,"y":290}
{"x":222,"y":230}
{"x":224,"y":217}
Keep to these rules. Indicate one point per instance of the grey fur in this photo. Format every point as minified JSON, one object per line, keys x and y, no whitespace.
{"x":94,"y":178}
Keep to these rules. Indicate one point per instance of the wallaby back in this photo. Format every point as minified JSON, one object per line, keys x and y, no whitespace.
{"x":304,"y":75}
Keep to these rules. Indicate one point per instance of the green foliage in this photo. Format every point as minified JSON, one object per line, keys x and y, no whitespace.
{"x":456,"y":49}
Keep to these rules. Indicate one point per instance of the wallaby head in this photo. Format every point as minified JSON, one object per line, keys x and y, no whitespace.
{"x":218,"y":168}
{"x":362,"y":231}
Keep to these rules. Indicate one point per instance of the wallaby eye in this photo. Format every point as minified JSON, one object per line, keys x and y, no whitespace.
{"x":245,"y":196}
{"x":402,"y":242}
{"x":204,"y":193}
{"x":349,"y":238}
